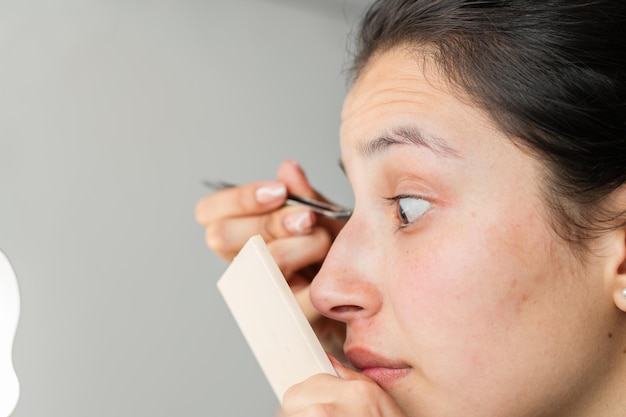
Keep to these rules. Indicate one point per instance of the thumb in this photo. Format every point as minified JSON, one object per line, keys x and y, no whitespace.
{"x":344,"y":372}
{"x":291,"y":174}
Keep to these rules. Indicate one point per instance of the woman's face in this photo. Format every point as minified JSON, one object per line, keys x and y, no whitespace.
{"x":458,"y":297}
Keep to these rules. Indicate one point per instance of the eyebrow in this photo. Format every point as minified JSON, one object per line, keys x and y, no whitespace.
{"x":407,"y":135}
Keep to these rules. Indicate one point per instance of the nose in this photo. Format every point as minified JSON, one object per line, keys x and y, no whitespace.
{"x":346,"y":287}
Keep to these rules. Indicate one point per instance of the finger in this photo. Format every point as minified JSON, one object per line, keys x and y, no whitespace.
{"x":291,"y":174}
{"x":316,"y":410}
{"x":333,"y":226}
{"x":296,"y":252}
{"x":227,"y":236}
{"x":244,"y":200}
{"x":314,"y":390}
{"x":328,"y":396}
{"x":344,"y":372}
{"x":385,"y":405}
{"x":302,"y":297}
{"x":327,"y":393}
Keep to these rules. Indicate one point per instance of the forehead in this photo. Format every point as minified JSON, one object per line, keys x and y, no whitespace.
{"x":398,"y":70}
{"x":402,"y":88}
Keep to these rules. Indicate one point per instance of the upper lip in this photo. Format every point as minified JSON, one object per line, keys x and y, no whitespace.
{"x":362,"y":358}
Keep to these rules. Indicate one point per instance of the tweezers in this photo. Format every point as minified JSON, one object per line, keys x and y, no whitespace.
{"x":332,"y":211}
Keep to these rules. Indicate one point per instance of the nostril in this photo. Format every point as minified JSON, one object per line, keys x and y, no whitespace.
{"x":346,"y":309}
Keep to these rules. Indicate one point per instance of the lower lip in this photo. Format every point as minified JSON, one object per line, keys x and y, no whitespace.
{"x":385,"y":376}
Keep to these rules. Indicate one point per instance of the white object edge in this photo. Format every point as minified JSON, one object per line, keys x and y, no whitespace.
{"x":9,"y":317}
{"x":272,"y":322}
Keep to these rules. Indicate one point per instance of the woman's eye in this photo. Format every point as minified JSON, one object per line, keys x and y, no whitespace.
{"x":411,"y":208}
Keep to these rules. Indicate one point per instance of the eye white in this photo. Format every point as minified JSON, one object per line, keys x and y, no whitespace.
{"x":410,"y":209}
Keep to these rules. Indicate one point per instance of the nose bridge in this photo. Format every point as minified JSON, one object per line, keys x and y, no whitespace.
{"x":346,"y":287}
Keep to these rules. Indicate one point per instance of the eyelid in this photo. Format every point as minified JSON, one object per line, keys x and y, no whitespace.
{"x":397,"y":197}
{"x":401,"y":196}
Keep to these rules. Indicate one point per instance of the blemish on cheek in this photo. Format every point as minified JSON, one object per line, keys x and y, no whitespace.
{"x":518,"y":295}
{"x":610,"y":335}
{"x":520,"y":303}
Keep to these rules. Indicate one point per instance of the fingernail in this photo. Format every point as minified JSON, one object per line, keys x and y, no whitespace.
{"x":301,"y":222}
{"x":270,"y":194}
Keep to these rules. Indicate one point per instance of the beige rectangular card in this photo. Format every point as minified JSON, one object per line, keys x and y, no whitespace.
{"x":270,"y":318}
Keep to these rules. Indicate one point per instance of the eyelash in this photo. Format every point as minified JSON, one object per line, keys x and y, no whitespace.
{"x":395,"y":202}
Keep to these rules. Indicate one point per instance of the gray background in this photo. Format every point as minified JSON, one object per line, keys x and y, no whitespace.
{"x":111,"y":114}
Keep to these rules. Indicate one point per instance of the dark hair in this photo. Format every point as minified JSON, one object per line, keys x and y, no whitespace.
{"x":551,"y":74}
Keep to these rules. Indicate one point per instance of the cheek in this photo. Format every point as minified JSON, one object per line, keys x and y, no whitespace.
{"x":472,"y":289}
{"x":460,"y":277}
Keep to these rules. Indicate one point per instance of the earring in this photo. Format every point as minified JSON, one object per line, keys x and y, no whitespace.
{"x":624,"y":292}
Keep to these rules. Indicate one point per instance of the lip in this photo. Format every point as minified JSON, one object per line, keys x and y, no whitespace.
{"x":384,"y":371}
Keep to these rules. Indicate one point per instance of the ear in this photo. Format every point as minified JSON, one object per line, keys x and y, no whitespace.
{"x":619,"y":287}
{"x":618,"y":271}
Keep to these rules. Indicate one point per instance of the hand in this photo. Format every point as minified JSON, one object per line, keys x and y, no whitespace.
{"x":296,"y":237}
{"x":349,"y":395}
{"x":231,"y":216}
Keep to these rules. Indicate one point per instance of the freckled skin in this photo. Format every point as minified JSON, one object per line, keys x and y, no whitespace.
{"x":492,"y":311}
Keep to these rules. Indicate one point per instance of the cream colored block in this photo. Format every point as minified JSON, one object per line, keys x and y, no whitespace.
{"x":270,"y":319}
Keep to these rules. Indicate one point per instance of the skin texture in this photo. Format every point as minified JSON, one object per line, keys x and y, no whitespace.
{"x":477,"y":305}
{"x":232,"y":215}
{"x":474,"y":307}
